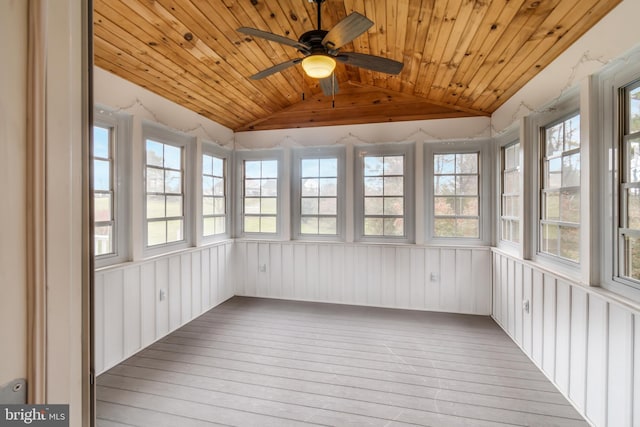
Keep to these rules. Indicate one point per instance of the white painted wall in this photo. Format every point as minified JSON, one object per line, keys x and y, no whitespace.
{"x":613,"y":36}
{"x":451,"y":279}
{"x":129,"y":311}
{"x":13,"y":119}
{"x":586,"y":340}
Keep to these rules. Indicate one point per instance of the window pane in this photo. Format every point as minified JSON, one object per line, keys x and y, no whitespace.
{"x":207,"y":206}
{"x":633,"y":162}
{"x":393,"y":227}
{"x":219,"y":206}
{"x":444,"y":227}
{"x":632,"y":257}
{"x":174,"y":206}
{"x":155,"y":155}
{"x":269,"y":169}
{"x":251,"y":205}
{"x":269,"y":187}
{"x":252,"y":187}
{"x":373,"y":186}
{"x":220,"y":225}
{"x":102,"y":207}
{"x":328,"y":206}
{"x":310,"y":167}
{"x":208,"y":227}
{"x":394,"y":206}
{"x":268,"y":224}
{"x":156,"y":233}
{"x":373,"y":166}
{"x":467,"y":227}
{"x":445,"y":206}
{"x":633,"y":208}
{"x":393,"y":186}
{"x":467,"y":185}
{"x":172,"y":157}
{"x":252,"y":224}
{"x":218,"y":186}
{"x":101,"y":142}
{"x":328,"y":167}
{"x":207,"y":165}
{"x":554,"y":137}
{"x":570,"y":206}
{"x":551,"y":205}
{"x":550,"y":239}
{"x":329,"y":187}
{"x":309,"y":225}
{"x":207,"y":186}
{"x":218,"y":167}
{"x":373,"y":226}
{"x":328,"y":226}
{"x":569,"y":243}
{"x":444,"y":164}
{"x":571,"y":171}
{"x":634,"y":110}
{"x":252,"y":169}
{"x":393,"y":165}
{"x":155,"y":180}
{"x":310,"y":187}
{"x":155,"y":206}
{"x":554,"y":173}
{"x":309,"y":206}
{"x":373,"y":206}
{"x":467,"y":206}
{"x":269,"y":205}
{"x":103,"y":240}
{"x":174,"y":230}
{"x":515,"y":231}
{"x":101,"y":175}
{"x":444,"y":185}
{"x":467,"y":163}
{"x":172,"y":181}
{"x":572,"y":133}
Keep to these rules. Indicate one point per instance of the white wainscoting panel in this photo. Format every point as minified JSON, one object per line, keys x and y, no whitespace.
{"x":129,"y":314}
{"x":585,"y":342}
{"x":399,"y":276}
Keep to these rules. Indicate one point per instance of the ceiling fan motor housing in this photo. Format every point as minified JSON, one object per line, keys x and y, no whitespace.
{"x":313,"y":39}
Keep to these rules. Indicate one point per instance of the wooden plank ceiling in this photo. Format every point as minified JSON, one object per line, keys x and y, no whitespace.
{"x":461,"y":58}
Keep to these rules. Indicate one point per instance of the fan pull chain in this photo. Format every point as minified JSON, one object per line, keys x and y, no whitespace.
{"x":302,"y":85}
{"x":333,"y":90}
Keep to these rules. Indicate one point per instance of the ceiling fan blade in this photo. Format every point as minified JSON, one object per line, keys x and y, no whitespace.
{"x":329,"y":85}
{"x":273,"y":37}
{"x":275,"y":69}
{"x":371,"y":62}
{"x":346,"y":30}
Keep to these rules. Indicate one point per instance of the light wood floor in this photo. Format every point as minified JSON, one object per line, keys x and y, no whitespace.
{"x":256,"y":362}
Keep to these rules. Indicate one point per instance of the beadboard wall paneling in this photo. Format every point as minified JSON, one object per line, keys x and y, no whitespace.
{"x":129,"y":314}
{"x":403,"y":276}
{"x":585,"y":343}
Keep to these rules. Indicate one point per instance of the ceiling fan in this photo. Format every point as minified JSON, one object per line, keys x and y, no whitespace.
{"x":321,"y":50}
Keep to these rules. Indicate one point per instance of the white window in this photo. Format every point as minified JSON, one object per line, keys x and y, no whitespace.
{"x":559,"y":229}
{"x":110,"y":186}
{"x":457,"y":192}
{"x":318,"y":193}
{"x":215,"y":192}
{"x":260,"y":181}
{"x":456,"y":195}
{"x":629,"y":210}
{"x":384,"y":193}
{"x":167,"y":200}
{"x":510,"y":198}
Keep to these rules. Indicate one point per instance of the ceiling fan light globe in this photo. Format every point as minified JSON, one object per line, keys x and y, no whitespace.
{"x":318,"y":66}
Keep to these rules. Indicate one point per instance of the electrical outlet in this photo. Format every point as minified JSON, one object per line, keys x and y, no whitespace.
{"x":526,"y":306}
{"x":435,"y":277}
{"x":163,"y":295}
{"x":263,"y":268}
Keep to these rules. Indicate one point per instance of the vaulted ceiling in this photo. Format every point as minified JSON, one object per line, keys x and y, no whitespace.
{"x":461,"y":58}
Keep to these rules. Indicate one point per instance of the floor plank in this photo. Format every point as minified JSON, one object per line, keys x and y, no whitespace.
{"x":265,"y":362}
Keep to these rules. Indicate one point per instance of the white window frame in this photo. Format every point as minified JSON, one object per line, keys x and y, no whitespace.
{"x":485,"y":196}
{"x":391,"y":149}
{"x":265,"y":155}
{"x":532,"y":173}
{"x":211,"y":149}
{"x":187,"y":143}
{"x":507,"y":139}
{"x":120,"y":125}
{"x":298,"y":154}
